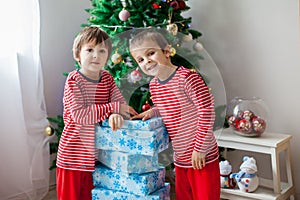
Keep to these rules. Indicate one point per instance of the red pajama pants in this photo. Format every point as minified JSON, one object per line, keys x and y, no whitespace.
{"x":202,"y":184}
{"x":73,"y":184}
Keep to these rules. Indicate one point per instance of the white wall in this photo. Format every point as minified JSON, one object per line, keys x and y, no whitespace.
{"x":254,"y":43}
{"x":60,"y":22}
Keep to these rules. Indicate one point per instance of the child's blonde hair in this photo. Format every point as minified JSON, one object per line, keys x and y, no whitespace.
{"x":91,"y":34}
{"x":153,"y":35}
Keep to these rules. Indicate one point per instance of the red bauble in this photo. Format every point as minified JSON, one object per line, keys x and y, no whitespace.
{"x":248,"y":114}
{"x":182,"y":4}
{"x":146,"y":106}
{"x":136,"y":75}
{"x":244,"y":126}
{"x":155,"y":5}
{"x":254,"y":118}
{"x":232,"y":121}
{"x":175,"y":5}
{"x":258,"y":125}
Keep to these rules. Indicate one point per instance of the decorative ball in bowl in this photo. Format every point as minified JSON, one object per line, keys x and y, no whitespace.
{"x":247,"y":116}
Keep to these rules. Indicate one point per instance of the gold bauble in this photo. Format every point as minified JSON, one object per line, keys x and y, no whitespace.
{"x":116,"y":58}
{"x":49,"y":130}
{"x":172,"y":51}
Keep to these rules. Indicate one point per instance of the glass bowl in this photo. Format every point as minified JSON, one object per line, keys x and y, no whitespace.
{"x":247,"y":116}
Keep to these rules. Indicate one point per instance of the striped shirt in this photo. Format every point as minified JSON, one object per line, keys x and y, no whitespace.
{"x":187,"y":109}
{"x":86,"y":102}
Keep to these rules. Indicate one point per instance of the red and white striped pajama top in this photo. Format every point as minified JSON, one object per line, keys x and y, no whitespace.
{"x":187,"y":109}
{"x":86,"y":102}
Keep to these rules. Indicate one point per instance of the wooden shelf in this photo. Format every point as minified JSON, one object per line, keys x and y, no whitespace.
{"x":267,"y":143}
{"x":262,"y":193}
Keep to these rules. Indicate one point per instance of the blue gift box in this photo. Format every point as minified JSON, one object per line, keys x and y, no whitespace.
{"x":106,"y":194}
{"x":128,"y":163}
{"x":147,"y":125}
{"x":132,"y":141}
{"x":138,"y":184}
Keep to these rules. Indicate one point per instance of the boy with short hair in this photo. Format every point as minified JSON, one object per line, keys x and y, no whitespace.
{"x":186,"y":106}
{"x":90,"y":96}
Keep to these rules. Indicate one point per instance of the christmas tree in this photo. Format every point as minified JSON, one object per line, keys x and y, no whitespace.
{"x":122,"y":18}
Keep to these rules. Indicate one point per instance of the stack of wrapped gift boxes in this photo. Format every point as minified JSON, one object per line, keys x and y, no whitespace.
{"x":129,"y":166}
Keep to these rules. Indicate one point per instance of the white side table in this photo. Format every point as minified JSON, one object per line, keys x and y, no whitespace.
{"x":267,"y":143}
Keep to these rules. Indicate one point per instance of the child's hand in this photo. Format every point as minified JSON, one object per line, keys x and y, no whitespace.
{"x":144,"y":115}
{"x":198,"y":160}
{"x":126,"y":111}
{"x":115,"y":121}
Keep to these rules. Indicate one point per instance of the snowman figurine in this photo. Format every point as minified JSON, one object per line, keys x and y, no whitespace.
{"x":225,"y":172}
{"x":246,"y":178}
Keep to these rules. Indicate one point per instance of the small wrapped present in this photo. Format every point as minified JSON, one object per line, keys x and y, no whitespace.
{"x":139,"y":184}
{"x":106,"y":194}
{"x":128,"y":163}
{"x":132,"y":141}
{"x":147,"y":125}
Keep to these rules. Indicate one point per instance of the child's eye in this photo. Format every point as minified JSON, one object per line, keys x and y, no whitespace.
{"x":140,"y":60}
{"x":151,"y":53}
{"x":89,"y":50}
{"x":103,"y":51}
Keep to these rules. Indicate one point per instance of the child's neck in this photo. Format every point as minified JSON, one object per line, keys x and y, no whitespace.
{"x":91,"y":75}
{"x":167,"y":72}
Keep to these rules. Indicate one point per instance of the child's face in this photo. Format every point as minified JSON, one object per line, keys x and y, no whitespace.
{"x":150,"y":57}
{"x":92,"y":57}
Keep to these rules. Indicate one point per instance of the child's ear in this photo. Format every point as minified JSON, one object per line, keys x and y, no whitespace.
{"x":77,"y":59}
{"x":76,"y":55}
{"x":167,"y":51}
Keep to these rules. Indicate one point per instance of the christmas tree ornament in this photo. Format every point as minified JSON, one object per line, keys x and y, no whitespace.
{"x":244,"y":126}
{"x":247,"y":114}
{"x":156,"y":6}
{"x":124,"y":15}
{"x":146,"y":106}
{"x":198,"y":46}
{"x":116,"y":58}
{"x":135,"y":75}
{"x":49,"y":131}
{"x":175,"y":5}
{"x":232,"y":121}
{"x":182,"y":4}
{"x":92,"y":18}
{"x":128,"y":61}
{"x":172,"y":51}
{"x":258,"y":125}
{"x":187,"y":38}
{"x":172,"y":28}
